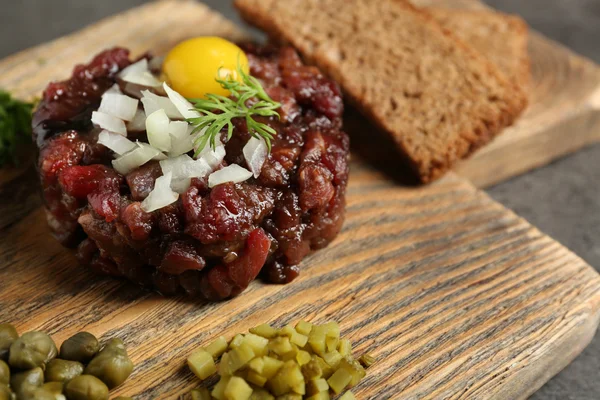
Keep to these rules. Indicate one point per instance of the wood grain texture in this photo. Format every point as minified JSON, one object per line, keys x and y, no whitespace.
{"x":456,"y":296}
{"x":563,"y":115}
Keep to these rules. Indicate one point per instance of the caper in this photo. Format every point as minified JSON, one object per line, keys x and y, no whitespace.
{"x":81,"y":347}
{"x":86,"y":387}
{"x":32,"y":349}
{"x":40,"y":394}
{"x":25,"y":383}
{"x":8,"y":334}
{"x":58,"y":370}
{"x":4,"y":373}
{"x":111,"y":365}
{"x":54,"y":387}
{"x":5,"y":393}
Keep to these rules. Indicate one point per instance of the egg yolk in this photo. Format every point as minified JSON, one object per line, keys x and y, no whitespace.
{"x":193,"y":66}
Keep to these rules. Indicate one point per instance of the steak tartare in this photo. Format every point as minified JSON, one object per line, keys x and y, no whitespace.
{"x":215,"y":238}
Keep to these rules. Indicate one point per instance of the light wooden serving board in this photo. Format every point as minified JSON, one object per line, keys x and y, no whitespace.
{"x":456,"y":296}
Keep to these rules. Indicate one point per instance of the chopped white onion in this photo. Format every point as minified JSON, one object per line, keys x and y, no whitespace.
{"x":212,"y":157}
{"x":135,"y":68}
{"x":113,"y":89}
{"x":136,"y":158}
{"x":181,"y":140}
{"x":143,"y":79}
{"x":157,"y":126}
{"x":110,"y":123}
{"x":153,"y":102}
{"x":232,"y":173}
{"x":255,"y":153}
{"x":161,"y":196}
{"x":138,"y":123}
{"x":118,"y":105}
{"x":117,"y":143}
{"x":184,"y":168}
{"x":183,"y":106}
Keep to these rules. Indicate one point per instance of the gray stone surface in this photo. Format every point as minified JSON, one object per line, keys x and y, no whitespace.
{"x":562,"y":199}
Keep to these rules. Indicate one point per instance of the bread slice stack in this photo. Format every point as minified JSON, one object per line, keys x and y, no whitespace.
{"x":438,"y":98}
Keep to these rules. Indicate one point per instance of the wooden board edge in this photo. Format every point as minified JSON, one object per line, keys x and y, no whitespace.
{"x":526,"y":382}
{"x":533,"y":152}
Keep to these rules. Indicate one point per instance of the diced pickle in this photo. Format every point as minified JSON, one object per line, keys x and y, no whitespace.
{"x":332,"y":329}
{"x":339,"y":380}
{"x":237,"y":389}
{"x":281,"y":345}
{"x":303,"y":357}
{"x":312,"y":370}
{"x":200,"y":394}
{"x":304,"y":328}
{"x":256,"y":379}
{"x":332,"y":358}
{"x":240,"y":356}
{"x":290,"y":396}
{"x":257,"y":365}
{"x":217,"y":347}
{"x":202,"y":364}
{"x":316,"y":340}
{"x":354,"y":368}
{"x":225,"y":366}
{"x":264,"y":330}
{"x":347,"y":396}
{"x":298,"y":339}
{"x":236,"y":341}
{"x":287,"y":330}
{"x":319,"y":396}
{"x":299,"y":388}
{"x":218,"y":391}
{"x":271,"y":366}
{"x":344,"y":347}
{"x":286,"y":379}
{"x":315,"y":386}
{"x":261,"y":394}
{"x":367,"y":360}
{"x":306,"y":361}
{"x":258,"y":344}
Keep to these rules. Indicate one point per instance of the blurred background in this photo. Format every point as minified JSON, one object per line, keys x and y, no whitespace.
{"x":562,"y":199}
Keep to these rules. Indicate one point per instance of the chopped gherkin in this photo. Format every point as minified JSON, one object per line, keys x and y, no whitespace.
{"x":295,"y":362}
{"x":200,"y":394}
{"x":218,"y":347}
{"x":347,"y":396}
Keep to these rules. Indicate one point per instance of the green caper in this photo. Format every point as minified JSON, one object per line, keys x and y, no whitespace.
{"x":5,"y":393}
{"x":25,"y":383}
{"x":32,"y":349}
{"x":55,"y":388}
{"x":4,"y":373}
{"x":8,"y":334}
{"x":111,"y":365}
{"x":86,"y":387}
{"x":81,"y":347}
{"x":40,"y":394}
{"x":58,"y":370}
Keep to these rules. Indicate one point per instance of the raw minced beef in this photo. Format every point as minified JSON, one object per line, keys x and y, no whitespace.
{"x":211,"y":242}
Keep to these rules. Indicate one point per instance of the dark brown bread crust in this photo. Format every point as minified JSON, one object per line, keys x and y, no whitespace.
{"x":434,"y":122}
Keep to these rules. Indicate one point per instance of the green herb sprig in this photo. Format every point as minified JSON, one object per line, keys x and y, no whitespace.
{"x":219,"y":111}
{"x":15,"y":126}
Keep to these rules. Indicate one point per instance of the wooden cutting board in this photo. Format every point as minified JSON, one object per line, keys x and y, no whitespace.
{"x":456,"y":296}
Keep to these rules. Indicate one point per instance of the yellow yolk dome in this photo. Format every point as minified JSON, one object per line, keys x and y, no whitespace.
{"x":193,"y":66}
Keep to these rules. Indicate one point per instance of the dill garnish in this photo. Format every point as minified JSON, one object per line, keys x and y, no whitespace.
{"x":247,"y":100}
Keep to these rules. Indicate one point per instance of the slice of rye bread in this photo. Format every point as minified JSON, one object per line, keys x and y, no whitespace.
{"x":502,"y":38}
{"x":438,"y":99}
